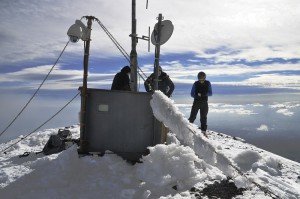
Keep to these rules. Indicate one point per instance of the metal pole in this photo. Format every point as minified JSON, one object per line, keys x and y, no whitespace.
{"x":157,"y":51}
{"x":133,"y":53}
{"x":83,"y":140}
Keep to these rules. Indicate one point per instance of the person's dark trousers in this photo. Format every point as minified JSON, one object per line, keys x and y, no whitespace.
{"x":203,"y":107}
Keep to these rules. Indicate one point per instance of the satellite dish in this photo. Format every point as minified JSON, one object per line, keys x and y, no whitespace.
{"x":165,"y":33}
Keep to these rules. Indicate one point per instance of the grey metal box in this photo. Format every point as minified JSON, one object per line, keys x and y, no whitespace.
{"x":122,"y":122}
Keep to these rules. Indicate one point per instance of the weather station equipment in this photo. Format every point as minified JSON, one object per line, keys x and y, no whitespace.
{"x":121,"y":122}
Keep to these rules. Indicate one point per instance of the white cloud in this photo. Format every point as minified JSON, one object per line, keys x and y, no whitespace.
{"x":227,"y":70}
{"x":263,"y":127}
{"x":183,"y":105}
{"x":238,"y":111}
{"x":285,"y":112}
{"x":59,"y":79}
{"x":253,"y":54}
{"x":230,"y":108}
{"x":257,"y":104}
{"x":275,"y":80}
{"x":37,"y":29}
{"x":287,"y":105}
{"x":285,"y":108}
{"x":38,"y":71}
{"x":177,"y":72}
{"x":257,"y":29}
{"x":269,"y":81}
{"x":188,"y":74}
{"x":251,"y":30}
{"x":222,"y":108}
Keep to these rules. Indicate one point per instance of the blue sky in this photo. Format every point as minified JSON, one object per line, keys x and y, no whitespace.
{"x":245,"y":47}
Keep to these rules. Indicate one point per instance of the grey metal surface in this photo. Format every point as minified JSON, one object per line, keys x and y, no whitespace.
{"x":121,"y":122}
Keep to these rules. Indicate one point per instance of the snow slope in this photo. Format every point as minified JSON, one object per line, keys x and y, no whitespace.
{"x":169,"y":171}
{"x":260,"y":169}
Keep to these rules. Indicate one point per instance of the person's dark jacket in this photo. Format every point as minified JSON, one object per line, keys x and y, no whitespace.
{"x":165,"y":84}
{"x":121,"y":80}
{"x":201,"y":91}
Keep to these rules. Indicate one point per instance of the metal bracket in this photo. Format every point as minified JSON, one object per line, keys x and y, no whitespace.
{"x":145,"y":38}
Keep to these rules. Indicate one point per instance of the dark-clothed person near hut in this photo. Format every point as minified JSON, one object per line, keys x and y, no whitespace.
{"x":200,"y":91}
{"x":165,"y":84}
{"x":121,"y":80}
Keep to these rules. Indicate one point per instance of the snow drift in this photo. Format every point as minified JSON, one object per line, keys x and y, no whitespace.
{"x":169,"y":171}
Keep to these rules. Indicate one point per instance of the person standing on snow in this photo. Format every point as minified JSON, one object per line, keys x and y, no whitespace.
{"x":165,"y":84}
{"x":200,"y":91}
{"x":121,"y":80}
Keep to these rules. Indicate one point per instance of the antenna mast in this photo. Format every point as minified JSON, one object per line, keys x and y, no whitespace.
{"x":83,"y":119}
{"x":133,"y":53}
{"x":157,"y":51}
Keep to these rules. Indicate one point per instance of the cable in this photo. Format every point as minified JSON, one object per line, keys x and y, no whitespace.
{"x":120,"y":48}
{"x":34,"y":94}
{"x":4,"y":150}
{"x":139,"y":81}
{"x":142,"y":73}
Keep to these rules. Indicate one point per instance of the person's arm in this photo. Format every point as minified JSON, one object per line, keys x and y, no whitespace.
{"x":193,"y":91}
{"x":127,"y":86}
{"x":209,"y":92}
{"x":147,"y":84}
{"x":171,"y":87}
{"x":126,"y":83}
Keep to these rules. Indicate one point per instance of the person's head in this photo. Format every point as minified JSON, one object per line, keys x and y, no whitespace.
{"x":201,"y":76}
{"x":126,"y":69}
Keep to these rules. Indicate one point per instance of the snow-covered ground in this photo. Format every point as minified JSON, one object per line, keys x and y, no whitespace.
{"x":188,"y":162}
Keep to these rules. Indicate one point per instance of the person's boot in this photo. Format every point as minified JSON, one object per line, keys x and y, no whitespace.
{"x":203,"y":130}
{"x":204,"y":133}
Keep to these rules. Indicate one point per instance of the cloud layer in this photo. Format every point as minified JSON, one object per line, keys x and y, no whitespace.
{"x":237,"y":43}
{"x":252,"y":30}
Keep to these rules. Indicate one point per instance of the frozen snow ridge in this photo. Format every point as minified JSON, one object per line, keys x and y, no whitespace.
{"x":238,"y":168}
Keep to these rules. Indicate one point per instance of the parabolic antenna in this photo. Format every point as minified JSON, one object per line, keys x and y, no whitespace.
{"x":165,"y":33}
